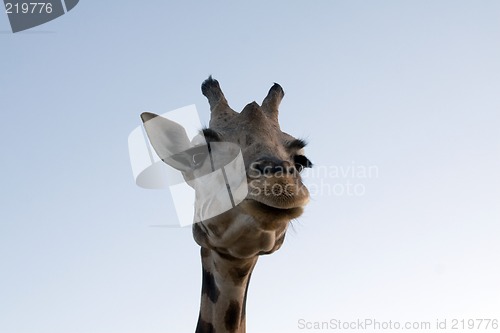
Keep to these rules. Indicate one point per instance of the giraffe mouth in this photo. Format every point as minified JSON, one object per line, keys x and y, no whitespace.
{"x":279,"y":192}
{"x":264,"y":208}
{"x":278,"y":205}
{"x":272,"y":206}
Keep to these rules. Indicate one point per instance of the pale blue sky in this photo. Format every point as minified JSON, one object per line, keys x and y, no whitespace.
{"x":410,"y":87}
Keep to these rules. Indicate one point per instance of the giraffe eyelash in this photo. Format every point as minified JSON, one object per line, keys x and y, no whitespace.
{"x":296,"y":144}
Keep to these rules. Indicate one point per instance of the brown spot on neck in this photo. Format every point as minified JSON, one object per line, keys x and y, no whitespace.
{"x":204,"y":327}
{"x":232,"y":318}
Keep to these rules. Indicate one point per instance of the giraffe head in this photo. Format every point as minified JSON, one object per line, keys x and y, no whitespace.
{"x":273,"y":161}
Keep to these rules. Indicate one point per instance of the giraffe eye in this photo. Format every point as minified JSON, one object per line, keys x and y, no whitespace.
{"x":301,"y":162}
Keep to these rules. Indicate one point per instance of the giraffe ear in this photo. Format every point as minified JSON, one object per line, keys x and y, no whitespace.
{"x":169,"y":140}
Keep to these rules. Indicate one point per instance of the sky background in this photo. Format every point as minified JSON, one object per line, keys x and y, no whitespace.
{"x":409,"y":88}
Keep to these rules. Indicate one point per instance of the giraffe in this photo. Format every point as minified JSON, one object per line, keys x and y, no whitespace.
{"x":231,"y":242}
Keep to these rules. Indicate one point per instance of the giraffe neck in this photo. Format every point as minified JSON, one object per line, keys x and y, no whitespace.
{"x":223,"y":295}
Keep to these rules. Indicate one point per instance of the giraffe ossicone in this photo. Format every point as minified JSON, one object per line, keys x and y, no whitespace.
{"x":265,"y":189}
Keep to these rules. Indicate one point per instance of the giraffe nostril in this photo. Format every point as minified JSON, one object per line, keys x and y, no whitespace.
{"x":261,"y":168}
{"x":291,"y":169}
{"x":256,"y":168}
{"x":273,"y":166}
